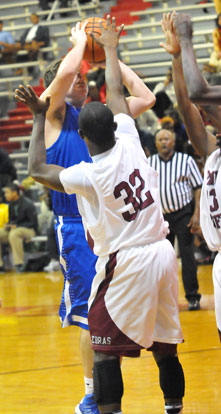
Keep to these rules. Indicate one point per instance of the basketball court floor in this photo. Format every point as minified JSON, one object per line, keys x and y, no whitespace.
{"x":40,"y":369}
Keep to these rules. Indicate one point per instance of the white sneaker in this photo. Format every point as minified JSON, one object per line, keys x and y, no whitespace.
{"x":52,"y":266}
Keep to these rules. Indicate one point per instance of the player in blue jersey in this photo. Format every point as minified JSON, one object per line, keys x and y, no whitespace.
{"x":68,"y":92}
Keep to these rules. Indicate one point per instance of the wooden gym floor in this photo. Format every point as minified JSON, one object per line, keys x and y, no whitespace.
{"x":40,"y":369}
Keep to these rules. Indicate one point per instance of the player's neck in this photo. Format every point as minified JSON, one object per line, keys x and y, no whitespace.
{"x":96,"y":149}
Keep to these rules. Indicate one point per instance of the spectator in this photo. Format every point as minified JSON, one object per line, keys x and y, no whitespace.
{"x":217,"y":6}
{"x":46,"y":5}
{"x":22,"y":226}
{"x":215,"y":58}
{"x":179,"y":177}
{"x":7,"y":169}
{"x":148,"y":122}
{"x":165,"y":95}
{"x":32,"y":40}
{"x":3,"y":211}
{"x":7,"y":44}
{"x":94,"y":95}
{"x":51,"y":247}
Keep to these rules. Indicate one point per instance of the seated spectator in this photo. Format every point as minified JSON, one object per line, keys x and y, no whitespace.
{"x":7,"y":44}
{"x":32,"y":40}
{"x":7,"y":169}
{"x":21,"y":226}
{"x":52,"y":249}
{"x":215,"y":58}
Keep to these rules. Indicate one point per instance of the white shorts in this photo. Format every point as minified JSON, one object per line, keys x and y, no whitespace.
{"x":134,"y":300}
{"x":217,"y":290}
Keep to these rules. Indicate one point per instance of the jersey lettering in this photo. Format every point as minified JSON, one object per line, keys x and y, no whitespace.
{"x":134,"y":195}
{"x":215,"y":205}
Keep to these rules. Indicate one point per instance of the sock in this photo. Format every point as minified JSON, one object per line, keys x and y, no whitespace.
{"x":173,"y":408}
{"x":89,"y":385}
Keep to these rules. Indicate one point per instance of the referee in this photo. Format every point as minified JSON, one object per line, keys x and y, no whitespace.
{"x":180,"y":185}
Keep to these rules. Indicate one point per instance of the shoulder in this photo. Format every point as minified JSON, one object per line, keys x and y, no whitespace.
{"x":125,"y":125}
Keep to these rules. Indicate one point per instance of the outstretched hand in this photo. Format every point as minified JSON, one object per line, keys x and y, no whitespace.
{"x":171,"y":44}
{"x":183,"y":26}
{"x":29,"y":98}
{"x":110,"y":35}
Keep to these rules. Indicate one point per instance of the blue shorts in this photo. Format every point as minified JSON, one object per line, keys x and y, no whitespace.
{"x":78,"y":265}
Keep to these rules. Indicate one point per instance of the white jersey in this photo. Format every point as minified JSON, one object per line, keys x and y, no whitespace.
{"x":210,"y":202}
{"x":118,"y":195}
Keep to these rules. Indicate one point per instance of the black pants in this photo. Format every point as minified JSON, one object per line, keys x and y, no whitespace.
{"x":178,"y":227}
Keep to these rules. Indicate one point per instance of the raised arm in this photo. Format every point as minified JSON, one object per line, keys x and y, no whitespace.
{"x":68,"y":69}
{"x":37,"y":168}
{"x":199,"y":90}
{"x":141,"y":98}
{"x":202,"y":140}
{"x":115,"y":98}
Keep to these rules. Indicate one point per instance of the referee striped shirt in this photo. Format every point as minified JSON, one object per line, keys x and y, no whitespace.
{"x":178,"y":177}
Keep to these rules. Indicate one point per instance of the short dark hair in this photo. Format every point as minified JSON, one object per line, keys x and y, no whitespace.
{"x":13,"y":187}
{"x":51,"y":71}
{"x":1,"y":22}
{"x":96,"y":121}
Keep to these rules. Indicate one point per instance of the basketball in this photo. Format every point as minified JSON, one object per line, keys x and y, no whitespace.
{"x":93,"y":52}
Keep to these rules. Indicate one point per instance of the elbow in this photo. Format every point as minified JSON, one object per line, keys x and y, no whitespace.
{"x":153,"y":100}
{"x":196,"y":94}
{"x":149,"y":102}
{"x":34,"y":172}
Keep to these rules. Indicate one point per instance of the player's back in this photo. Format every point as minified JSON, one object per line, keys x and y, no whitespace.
{"x":126,"y":187}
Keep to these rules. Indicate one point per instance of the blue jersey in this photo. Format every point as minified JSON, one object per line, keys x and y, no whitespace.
{"x":68,"y":150}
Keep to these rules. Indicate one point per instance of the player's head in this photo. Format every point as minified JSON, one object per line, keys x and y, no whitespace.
{"x":165,"y":141}
{"x":96,"y":123}
{"x":51,"y":71}
{"x":78,"y":90}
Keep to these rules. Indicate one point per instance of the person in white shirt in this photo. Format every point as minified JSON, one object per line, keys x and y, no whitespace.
{"x":191,"y":87}
{"x":134,"y":298}
{"x":33,"y":39}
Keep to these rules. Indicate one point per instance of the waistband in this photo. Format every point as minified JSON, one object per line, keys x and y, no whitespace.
{"x":76,"y":219}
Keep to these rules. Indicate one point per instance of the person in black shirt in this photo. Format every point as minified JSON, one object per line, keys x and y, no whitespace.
{"x":22,"y":225}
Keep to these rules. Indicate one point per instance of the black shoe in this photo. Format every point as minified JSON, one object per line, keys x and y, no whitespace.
{"x":194,"y":304}
{"x":20,"y":268}
{"x":2,"y":270}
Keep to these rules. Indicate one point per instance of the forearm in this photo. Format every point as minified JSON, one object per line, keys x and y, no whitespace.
{"x":191,"y":117}
{"x":199,"y":90}
{"x":141,"y":97}
{"x":68,"y":69}
{"x":113,"y":78}
{"x":195,"y":82}
{"x":37,"y":167}
{"x":70,"y":65}
{"x":197,"y":194}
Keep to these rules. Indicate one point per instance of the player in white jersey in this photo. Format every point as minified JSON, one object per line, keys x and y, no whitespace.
{"x":134,"y":300}
{"x":185,"y":66}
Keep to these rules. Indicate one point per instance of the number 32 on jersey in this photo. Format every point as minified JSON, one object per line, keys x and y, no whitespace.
{"x":134,"y":196}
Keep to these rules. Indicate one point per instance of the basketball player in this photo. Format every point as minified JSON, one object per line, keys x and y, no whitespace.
{"x":68,"y":92}
{"x":194,"y":85}
{"x":133,"y":304}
